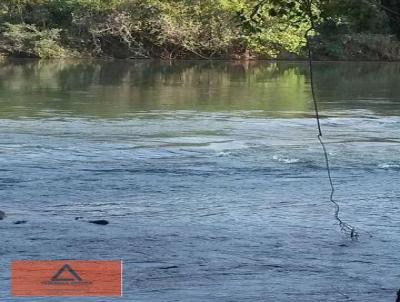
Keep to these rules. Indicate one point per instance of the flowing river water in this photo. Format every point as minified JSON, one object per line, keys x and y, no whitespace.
{"x":210,"y":174}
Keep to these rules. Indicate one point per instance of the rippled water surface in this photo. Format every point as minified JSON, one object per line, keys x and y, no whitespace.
{"x":210,"y":174}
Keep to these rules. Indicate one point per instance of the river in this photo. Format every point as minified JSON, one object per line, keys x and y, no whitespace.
{"x":210,"y":174}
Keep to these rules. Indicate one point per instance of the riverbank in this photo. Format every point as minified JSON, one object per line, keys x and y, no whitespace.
{"x":182,"y":29}
{"x":384,"y":49}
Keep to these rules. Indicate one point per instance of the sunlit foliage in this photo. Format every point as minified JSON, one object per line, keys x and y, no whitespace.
{"x":196,"y":28}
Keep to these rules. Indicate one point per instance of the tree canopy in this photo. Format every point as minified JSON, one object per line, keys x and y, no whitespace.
{"x":170,"y":29}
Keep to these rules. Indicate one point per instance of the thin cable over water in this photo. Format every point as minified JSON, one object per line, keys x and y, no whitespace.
{"x":345,"y":227}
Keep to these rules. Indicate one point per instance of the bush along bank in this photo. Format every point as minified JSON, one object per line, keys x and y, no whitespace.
{"x":201,"y":29}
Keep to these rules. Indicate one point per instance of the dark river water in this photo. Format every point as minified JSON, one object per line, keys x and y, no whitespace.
{"x":210,"y":174}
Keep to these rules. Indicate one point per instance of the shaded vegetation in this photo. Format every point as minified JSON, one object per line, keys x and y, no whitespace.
{"x":345,"y":29}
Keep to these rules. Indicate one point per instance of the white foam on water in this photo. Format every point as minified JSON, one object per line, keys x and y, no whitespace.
{"x":285,"y":160}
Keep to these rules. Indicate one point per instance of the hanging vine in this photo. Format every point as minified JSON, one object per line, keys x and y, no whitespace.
{"x":345,"y":227}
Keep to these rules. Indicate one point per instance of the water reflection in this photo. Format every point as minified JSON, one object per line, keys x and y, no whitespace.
{"x":117,"y":88}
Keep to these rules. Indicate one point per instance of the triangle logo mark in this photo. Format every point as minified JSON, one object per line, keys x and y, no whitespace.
{"x":66,"y":274}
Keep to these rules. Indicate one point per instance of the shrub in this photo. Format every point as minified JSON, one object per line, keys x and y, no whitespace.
{"x":362,"y":46}
{"x":29,"y":41}
{"x":204,"y":29}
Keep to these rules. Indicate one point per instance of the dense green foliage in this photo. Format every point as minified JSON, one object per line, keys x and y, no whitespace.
{"x":344,"y":29}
